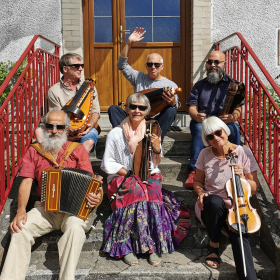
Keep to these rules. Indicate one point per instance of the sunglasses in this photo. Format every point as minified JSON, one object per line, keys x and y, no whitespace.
{"x":140,"y":107}
{"x":50,"y":126}
{"x":211,"y":136}
{"x":150,"y":64}
{"x":216,"y":62}
{"x":77,"y":65}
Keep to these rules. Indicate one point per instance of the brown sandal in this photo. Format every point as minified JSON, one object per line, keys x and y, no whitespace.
{"x":212,"y":250}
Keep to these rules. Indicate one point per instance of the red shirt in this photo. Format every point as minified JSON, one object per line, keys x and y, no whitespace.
{"x":33,"y":163}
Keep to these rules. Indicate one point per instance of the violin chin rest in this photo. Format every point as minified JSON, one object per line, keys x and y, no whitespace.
{"x":235,"y":227}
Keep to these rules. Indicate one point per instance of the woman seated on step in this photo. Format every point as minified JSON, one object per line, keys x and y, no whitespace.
{"x":213,"y":170}
{"x":145,"y":218}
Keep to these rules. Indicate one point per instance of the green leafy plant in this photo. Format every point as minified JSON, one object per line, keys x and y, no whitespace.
{"x":5,"y":68}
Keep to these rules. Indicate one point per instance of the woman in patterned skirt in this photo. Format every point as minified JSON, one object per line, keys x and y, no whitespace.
{"x":145,"y":218}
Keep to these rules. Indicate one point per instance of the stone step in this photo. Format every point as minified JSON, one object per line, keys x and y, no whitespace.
{"x":197,"y":237}
{"x":182,"y":264}
{"x":186,"y":263}
{"x":182,"y":119}
{"x":169,"y":148}
{"x":172,"y":168}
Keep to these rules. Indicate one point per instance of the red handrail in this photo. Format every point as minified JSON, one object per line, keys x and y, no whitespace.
{"x":22,"y":109}
{"x":260,"y":117}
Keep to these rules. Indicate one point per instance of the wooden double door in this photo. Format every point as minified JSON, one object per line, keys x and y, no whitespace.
{"x":107,"y":25}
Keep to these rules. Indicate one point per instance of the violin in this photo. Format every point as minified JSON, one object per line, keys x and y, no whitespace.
{"x":241,"y":212}
{"x":242,"y":217}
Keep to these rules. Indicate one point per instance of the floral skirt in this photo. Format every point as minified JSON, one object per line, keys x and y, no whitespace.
{"x":145,"y":218}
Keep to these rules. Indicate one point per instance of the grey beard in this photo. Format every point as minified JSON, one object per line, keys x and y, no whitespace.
{"x":215,"y":77}
{"x":53,"y":144}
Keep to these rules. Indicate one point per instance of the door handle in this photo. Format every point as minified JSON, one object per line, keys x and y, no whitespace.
{"x":121,"y":31}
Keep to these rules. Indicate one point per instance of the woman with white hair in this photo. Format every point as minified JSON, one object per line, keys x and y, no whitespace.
{"x":145,"y":218}
{"x":213,"y":170}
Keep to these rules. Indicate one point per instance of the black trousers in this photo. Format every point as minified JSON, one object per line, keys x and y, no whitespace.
{"x":214,"y":216}
{"x":165,"y":118}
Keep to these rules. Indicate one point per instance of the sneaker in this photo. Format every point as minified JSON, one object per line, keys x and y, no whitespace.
{"x":189,"y":181}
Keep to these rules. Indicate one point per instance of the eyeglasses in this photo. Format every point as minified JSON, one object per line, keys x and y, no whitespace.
{"x":216,"y":62}
{"x":50,"y":126}
{"x":150,"y":64}
{"x":211,"y":136}
{"x":140,"y":107}
{"x":77,"y":65}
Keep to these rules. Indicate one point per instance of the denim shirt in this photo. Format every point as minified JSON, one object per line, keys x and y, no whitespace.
{"x":209,"y":98}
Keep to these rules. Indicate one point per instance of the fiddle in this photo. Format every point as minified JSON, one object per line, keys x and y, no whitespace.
{"x":242,"y":217}
{"x":241,"y":208}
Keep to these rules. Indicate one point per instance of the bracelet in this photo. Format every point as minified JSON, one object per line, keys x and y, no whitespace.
{"x":156,"y":152}
{"x":201,"y":193}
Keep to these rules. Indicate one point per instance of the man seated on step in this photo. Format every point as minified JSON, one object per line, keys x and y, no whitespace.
{"x":25,"y":227}
{"x":207,"y":99}
{"x":71,"y":68}
{"x":141,"y":81}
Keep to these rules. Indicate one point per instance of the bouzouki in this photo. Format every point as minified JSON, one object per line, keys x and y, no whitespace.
{"x":235,"y":95}
{"x":156,"y":100}
{"x":80,"y":108}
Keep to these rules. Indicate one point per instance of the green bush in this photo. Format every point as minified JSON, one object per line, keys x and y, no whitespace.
{"x":5,"y":68}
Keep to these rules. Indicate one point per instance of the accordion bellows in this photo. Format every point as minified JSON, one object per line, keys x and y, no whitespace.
{"x":65,"y":189}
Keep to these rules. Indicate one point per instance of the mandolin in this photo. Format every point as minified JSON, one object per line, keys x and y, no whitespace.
{"x":79,"y":108}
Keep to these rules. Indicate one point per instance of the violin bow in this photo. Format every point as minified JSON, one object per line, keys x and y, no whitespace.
{"x":231,"y":155}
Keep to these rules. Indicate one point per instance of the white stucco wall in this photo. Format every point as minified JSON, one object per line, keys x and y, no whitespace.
{"x":257,"y":20}
{"x":21,"y":20}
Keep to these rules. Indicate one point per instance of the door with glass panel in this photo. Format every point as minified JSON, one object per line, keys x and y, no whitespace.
{"x":107,"y":25}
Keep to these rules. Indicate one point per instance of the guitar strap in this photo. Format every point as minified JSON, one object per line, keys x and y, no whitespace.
{"x":69,"y":150}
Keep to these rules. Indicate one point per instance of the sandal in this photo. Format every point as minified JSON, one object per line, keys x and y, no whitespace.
{"x":155,"y":259}
{"x":131,"y":259}
{"x":215,"y":260}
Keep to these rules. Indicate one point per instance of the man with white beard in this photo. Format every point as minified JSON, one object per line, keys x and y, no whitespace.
{"x":25,"y":227}
{"x":207,"y":99}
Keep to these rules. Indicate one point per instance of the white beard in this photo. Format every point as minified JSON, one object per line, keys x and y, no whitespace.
{"x":50,"y":144}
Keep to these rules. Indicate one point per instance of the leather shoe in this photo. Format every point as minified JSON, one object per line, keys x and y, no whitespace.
{"x":189,"y":181}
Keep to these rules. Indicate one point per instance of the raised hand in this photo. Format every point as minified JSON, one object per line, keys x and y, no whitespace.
{"x":136,"y":35}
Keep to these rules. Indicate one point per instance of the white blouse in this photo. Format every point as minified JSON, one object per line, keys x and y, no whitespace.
{"x":117,"y":155}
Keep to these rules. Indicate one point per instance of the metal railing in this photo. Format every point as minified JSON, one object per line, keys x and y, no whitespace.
{"x":260,"y":117}
{"x":23,"y":107}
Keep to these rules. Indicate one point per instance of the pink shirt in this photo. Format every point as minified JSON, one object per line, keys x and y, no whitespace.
{"x":33,"y":163}
{"x":218,"y":172}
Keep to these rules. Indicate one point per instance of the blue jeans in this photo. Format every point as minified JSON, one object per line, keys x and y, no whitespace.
{"x":197,"y":144}
{"x":165,"y":118}
{"x":93,"y":135}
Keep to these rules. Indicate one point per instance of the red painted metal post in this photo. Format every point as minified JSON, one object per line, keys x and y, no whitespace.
{"x":260,"y":119}
{"x":20,"y":112}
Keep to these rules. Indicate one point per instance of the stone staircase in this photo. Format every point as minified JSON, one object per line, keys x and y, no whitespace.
{"x":188,"y":262}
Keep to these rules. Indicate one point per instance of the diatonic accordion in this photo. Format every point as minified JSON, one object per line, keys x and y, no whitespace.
{"x":65,"y":189}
